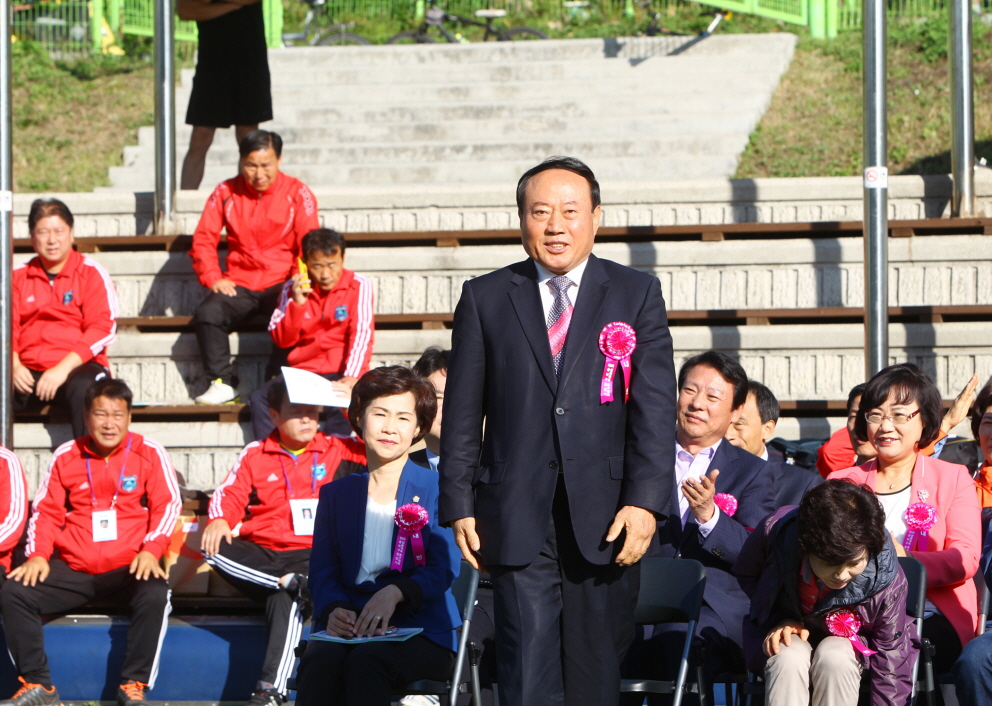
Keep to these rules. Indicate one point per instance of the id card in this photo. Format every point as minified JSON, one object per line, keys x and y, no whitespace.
{"x":304,"y":512}
{"x":105,"y":526}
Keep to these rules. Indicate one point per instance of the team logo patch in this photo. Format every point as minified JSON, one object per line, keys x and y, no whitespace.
{"x":67,"y":298}
{"x":341,"y":313}
{"x":320,"y":471}
{"x":129,"y":483}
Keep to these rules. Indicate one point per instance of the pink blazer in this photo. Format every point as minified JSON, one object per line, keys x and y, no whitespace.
{"x":954,"y":543}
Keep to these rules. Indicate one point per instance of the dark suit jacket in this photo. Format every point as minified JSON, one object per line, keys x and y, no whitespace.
{"x":792,"y":482}
{"x":501,"y":373}
{"x":338,"y":536}
{"x":749,"y":479}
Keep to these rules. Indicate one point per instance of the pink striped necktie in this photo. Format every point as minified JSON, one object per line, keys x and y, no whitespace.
{"x":559,"y":318}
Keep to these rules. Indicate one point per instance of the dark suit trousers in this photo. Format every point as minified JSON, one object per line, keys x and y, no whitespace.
{"x":563,"y":625}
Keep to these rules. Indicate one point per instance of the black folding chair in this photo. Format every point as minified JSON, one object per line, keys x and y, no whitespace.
{"x":916,"y":599}
{"x":671,"y":592}
{"x":464,"y":590}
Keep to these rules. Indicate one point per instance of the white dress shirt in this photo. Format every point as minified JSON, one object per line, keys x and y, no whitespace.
{"x":689,"y":466}
{"x":548,"y":294}
{"x":377,"y":546}
{"x":764,"y":453}
{"x":433,"y":459}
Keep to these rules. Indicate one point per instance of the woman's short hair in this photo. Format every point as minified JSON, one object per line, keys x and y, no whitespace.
{"x":43,"y":208}
{"x":386,"y":382}
{"x":839,"y":520}
{"x":908,"y":384}
{"x":982,"y":403}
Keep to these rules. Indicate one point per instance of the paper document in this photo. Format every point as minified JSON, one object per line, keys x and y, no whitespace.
{"x":399,"y":635}
{"x":305,"y":387}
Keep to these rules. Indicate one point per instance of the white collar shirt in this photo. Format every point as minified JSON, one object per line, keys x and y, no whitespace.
{"x":689,"y":466}
{"x":548,"y":295}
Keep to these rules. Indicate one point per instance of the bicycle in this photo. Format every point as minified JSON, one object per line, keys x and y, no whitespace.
{"x":436,"y":17}
{"x":654,"y":29}
{"x":316,"y":34}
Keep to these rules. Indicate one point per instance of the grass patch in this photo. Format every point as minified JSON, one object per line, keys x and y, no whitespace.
{"x":814,"y":124}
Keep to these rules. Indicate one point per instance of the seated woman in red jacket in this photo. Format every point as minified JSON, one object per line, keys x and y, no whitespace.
{"x":64,"y":317}
{"x":931,"y":508}
{"x":828,"y":600}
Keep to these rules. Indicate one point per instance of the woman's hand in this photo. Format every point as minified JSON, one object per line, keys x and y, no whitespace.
{"x":341,"y":622}
{"x":375,"y":616}
{"x":783,"y":634}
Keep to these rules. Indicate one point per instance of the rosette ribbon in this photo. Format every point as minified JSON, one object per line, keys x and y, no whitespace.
{"x":919,"y":517}
{"x":844,"y":622}
{"x":617,"y":342}
{"x":726,"y":502}
{"x":410,"y":518}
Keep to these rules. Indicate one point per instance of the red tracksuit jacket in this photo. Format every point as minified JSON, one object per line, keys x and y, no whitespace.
{"x":77,"y":312}
{"x":13,"y":498}
{"x":332,"y":332}
{"x":264,"y":231}
{"x":266,"y":468}
{"x":148,"y":504}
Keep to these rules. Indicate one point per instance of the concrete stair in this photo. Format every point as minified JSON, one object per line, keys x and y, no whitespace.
{"x":635,"y":108}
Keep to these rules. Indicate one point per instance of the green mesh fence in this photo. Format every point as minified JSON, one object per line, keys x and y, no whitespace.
{"x":63,"y":28}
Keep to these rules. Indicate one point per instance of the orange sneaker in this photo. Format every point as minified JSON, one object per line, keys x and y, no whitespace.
{"x":132,"y":693}
{"x":33,"y":695}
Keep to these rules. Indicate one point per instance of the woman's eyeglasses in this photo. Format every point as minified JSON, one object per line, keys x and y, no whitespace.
{"x":898,"y":418}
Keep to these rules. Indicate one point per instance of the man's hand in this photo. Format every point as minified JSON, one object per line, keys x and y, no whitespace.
{"x":224,"y":286}
{"x":783,"y":634}
{"x":376,"y":614}
{"x":32,"y":571}
{"x":216,"y":531}
{"x":341,"y":622}
{"x":700,"y":494}
{"x":345,"y":385}
{"x":22,"y":378}
{"x":959,"y":409}
{"x":467,"y":539}
{"x":50,"y":382}
{"x":145,"y":566}
{"x":301,"y":289}
{"x":640,"y":525}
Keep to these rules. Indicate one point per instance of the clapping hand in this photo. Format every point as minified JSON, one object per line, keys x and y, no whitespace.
{"x":960,"y":407}
{"x":699,"y":492}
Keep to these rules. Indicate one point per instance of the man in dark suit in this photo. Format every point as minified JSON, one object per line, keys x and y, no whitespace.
{"x":752,"y":430}
{"x":553,"y":475}
{"x":712,"y":391}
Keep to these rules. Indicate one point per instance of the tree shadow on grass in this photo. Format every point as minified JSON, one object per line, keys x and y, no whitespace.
{"x":941,"y":163}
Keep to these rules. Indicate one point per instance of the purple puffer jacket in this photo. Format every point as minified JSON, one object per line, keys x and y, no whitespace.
{"x":768,"y":569}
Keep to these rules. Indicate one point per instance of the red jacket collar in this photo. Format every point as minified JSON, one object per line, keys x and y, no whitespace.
{"x":36,"y":269}
{"x":272,"y":445}
{"x":248,"y":189}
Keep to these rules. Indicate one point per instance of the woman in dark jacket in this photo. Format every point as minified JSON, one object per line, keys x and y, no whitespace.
{"x":356,"y":590}
{"x":828,"y":600}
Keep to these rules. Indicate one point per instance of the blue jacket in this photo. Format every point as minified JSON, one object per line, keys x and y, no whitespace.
{"x":339,"y":531}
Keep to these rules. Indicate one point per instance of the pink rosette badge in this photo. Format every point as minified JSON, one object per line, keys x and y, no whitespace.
{"x":726,"y":502}
{"x":844,"y":622}
{"x":919,"y":517}
{"x":617,"y":342}
{"x":410,"y":518}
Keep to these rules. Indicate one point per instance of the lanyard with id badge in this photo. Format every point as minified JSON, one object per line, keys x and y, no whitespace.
{"x":304,"y":510}
{"x":105,"y":521}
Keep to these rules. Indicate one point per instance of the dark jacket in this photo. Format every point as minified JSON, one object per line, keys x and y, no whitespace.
{"x":747,"y":478}
{"x":511,"y":426}
{"x":338,"y":535}
{"x":768,"y":570}
{"x":792,"y":482}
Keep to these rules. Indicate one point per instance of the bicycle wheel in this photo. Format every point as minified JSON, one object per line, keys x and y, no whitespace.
{"x":516,"y":34}
{"x":411,"y":37}
{"x":338,"y":39}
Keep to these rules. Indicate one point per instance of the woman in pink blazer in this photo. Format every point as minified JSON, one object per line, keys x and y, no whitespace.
{"x":900,"y":413}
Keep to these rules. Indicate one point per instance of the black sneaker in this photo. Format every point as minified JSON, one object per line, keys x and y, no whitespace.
{"x":132,"y":693}
{"x":266,"y":695}
{"x":33,"y":695}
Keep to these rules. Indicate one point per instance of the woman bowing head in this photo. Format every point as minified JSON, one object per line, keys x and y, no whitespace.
{"x":380,"y":560}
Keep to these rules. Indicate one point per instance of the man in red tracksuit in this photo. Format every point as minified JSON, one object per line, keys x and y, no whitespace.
{"x":266,"y":214}
{"x":101,"y":521}
{"x":269,"y":560}
{"x":64,"y":317}
{"x":326,"y":320}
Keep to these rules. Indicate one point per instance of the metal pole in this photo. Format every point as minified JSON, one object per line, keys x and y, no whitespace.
{"x":165,"y":119}
{"x":962,"y":110}
{"x":876,"y":184}
{"x":6,"y":232}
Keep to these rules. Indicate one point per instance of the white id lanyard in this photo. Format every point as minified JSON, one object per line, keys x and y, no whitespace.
{"x":105,"y":521}
{"x":304,"y":511}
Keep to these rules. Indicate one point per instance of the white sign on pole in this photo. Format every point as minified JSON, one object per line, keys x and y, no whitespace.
{"x":876,"y":177}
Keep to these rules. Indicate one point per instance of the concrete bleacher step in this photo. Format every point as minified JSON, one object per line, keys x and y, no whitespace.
{"x":635,"y":110}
